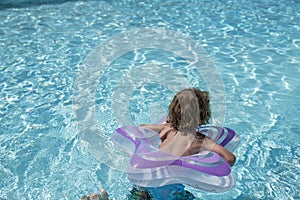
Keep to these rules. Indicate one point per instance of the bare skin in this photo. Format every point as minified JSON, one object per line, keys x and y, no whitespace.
{"x":96,"y":196}
{"x":181,"y":145}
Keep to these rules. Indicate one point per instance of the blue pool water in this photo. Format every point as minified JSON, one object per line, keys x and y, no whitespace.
{"x":255,"y":46}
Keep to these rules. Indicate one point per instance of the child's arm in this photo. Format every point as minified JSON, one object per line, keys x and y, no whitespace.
{"x":227,"y":155}
{"x":154,"y":127}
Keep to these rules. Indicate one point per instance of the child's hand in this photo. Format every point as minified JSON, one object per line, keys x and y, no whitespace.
{"x":227,"y":155}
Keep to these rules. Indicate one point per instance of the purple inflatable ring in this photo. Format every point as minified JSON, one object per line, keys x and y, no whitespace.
{"x":151,"y":167}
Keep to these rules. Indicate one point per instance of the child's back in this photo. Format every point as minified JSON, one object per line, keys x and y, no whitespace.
{"x":183,"y":143}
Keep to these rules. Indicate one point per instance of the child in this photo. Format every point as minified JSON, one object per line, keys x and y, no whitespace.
{"x":189,"y":109}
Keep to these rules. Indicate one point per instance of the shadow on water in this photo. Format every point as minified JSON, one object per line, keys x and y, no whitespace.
{"x":245,"y":197}
{"x":6,"y":4}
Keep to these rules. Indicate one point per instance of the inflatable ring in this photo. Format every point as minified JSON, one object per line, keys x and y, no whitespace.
{"x":151,"y":167}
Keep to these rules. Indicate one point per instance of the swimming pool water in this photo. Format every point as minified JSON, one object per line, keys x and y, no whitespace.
{"x":254,"y":45}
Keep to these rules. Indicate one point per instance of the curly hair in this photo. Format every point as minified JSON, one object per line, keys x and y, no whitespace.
{"x":189,"y":108}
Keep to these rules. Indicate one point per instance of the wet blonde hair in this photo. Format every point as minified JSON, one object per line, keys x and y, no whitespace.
{"x":189,"y":108}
